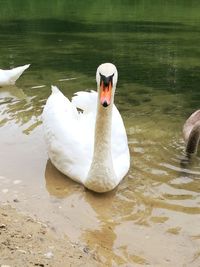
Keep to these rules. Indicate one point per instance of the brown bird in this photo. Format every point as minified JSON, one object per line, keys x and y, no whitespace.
{"x":191,"y":132}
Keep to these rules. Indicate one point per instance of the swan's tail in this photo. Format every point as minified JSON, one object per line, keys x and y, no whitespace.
{"x":16,"y":73}
{"x":55,"y":89}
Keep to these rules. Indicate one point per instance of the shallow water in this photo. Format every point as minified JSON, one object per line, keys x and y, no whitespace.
{"x":152,"y":217}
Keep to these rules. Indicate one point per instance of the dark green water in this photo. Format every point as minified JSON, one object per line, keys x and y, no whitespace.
{"x":152,"y":218}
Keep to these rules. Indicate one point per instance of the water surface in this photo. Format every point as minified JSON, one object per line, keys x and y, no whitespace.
{"x":152,"y":217}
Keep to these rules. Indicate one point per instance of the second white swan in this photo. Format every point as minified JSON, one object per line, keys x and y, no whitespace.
{"x":9,"y":77}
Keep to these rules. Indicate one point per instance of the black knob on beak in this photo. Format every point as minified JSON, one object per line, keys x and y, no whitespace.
{"x":106,"y":80}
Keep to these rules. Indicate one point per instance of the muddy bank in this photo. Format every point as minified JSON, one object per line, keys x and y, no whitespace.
{"x":24,"y":241}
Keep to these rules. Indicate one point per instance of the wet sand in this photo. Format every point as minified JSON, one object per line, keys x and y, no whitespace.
{"x":24,"y":241}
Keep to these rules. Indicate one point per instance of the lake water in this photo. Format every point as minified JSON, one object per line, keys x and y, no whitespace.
{"x":153,"y":217}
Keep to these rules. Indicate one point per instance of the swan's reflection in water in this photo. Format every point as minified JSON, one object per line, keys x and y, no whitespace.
{"x":130,"y":225}
{"x":73,"y":213}
{"x":19,"y":107}
{"x":94,"y":214}
{"x":12,"y":91}
{"x":59,"y":185}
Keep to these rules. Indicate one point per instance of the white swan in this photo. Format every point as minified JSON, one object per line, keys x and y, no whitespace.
{"x":90,"y":146}
{"x":9,"y":77}
{"x":191,"y":132}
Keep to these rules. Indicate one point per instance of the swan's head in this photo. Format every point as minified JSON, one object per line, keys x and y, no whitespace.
{"x":106,"y":78}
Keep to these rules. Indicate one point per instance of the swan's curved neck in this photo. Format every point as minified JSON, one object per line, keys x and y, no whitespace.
{"x":193,"y":140}
{"x":101,"y":176}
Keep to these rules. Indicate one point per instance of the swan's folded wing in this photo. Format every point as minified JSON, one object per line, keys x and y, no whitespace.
{"x":86,"y":101}
{"x":66,"y":137}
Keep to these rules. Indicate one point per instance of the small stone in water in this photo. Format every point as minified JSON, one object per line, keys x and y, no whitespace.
{"x":17,"y":181}
{"x":86,"y":250}
{"x":48,"y":255}
{"x":22,"y":251}
{"x":2,"y":226}
{"x":5,"y":190}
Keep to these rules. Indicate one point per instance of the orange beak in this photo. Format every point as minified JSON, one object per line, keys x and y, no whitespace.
{"x":105,"y":93}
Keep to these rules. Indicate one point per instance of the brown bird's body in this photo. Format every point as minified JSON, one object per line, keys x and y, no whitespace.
{"x":191,"y":132}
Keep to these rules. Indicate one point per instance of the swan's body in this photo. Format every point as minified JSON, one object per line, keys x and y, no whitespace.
{"x":191,"y":132}
{"x":91,"y":146}
{"x":9,"y":77}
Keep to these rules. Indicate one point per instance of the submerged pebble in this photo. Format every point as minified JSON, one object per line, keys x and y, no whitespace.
{"x":48,"y":255}
{"x":17,"y":181}
{"x":22,"y":251}
{"x":4,"y":190}
{"x":2,"y":226}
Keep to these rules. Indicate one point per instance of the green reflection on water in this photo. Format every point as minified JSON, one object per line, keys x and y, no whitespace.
{"x":154,"y":44}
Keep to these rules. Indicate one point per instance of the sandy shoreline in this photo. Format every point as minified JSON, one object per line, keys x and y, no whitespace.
{"x":25,"y":241}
